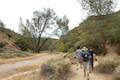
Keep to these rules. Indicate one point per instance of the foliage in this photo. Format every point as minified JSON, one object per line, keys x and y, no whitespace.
{"x":14,"y":37}
{"x":55,"y":70}
{"x":2,"y":24}
{"x":107,"y":66}
{"x":113,"y":35}
{"x":22,"y":43}
{"x":89,"y":34}
{"x":2,"y":44}
{"x":11,"y":34}
{"x":63,"y":25}
{"x":98,"y":7}
{"x":50,"y":45}
{"x":83,"y":36}
{"x":43,"y":26}
{"x":71,"y":50}
{"x":59,"y":46}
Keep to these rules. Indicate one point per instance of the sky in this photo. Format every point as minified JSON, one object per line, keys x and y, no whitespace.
{"x":12,"y":10}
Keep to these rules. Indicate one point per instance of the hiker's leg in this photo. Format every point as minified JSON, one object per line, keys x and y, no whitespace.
{"x":84,"y":72}
{"x":81,"y":63}
{"x":88,"y":70}
{"x":91,"y":66}
{"x":84,"y":68}
{"x":77,"y":64}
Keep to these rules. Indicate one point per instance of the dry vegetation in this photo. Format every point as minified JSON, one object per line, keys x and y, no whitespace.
{"x":55,"y":70}
{"x":107,"y":66}
{"x":13,"y":60}
{"x":27,"y":68}
{"x":32,"y":75}
{"x":117,"y":73}
{"x":110,"y":66}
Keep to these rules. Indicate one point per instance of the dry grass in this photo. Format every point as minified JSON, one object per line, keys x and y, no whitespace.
{"x":27,"y":68}
{"x":35,"y":75}
{"x":117,"y":73}
{"x":55,"y":70}
{"x":13,"y":60}
{"x":107,"y":65}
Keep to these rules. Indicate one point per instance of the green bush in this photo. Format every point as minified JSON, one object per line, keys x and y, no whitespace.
{"x":22,"y":43}
{"x":71,"y":50}
{"x":2,"y":44}
{"x":107,"y":66}
{"x":55,"y":70}
{"x":113,"y":35}
{"x":9,"y":35}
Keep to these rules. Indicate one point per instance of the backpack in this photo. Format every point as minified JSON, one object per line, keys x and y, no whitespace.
{"x":78,"y":53}
{"x":86,"y":56}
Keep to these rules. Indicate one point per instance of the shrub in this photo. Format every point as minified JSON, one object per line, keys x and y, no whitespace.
{"x":2,"y":44}
{"x":113,"y":35}
{"x":9,"y":35}
{"x":55,"y":70}
{"x":107,"y":66}
{"x":117,"y":73}
{"x":71,"y":50}
{"x":22,"y":43}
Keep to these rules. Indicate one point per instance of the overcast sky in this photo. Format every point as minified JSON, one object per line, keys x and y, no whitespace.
{"x":12,"y":10}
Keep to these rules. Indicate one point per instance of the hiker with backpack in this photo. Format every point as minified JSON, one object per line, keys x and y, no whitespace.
{"x":78,"y":56}
{"x":92,"y":59}
{"x":86,"y":56}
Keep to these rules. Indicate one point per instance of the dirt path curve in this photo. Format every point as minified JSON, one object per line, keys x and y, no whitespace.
{"x":10,"y":68}
{"x":77,"y":74}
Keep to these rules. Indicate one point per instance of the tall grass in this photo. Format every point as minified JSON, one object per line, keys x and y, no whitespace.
{"x":107,"y":66}
{"x":55,"y":70}
{"x":117,"y":73}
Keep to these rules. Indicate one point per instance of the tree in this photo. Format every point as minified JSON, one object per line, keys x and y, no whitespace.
{"x":2,"y":24}
{"x":21,"y":26}
{"x":22,"y":43}
{"x":98,"y":7}
{"x":44,"y":25}
{"x":61,"y":23}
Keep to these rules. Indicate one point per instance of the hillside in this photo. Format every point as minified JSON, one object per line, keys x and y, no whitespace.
{"x":8,"y":47}
{"x":15,"y":41}
{"x":90,"y":33}
{"x":9,"y":44}
{"x":9,"y":33}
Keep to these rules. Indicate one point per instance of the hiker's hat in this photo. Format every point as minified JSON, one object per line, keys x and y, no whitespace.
{"x":84,"y":49}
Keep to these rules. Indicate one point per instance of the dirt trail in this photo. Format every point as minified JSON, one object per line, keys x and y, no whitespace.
{"x":10,"y":68}
{"x":77,"y":74}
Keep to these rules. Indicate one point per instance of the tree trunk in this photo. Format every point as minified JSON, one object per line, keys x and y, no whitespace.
{"x":38,"y":44}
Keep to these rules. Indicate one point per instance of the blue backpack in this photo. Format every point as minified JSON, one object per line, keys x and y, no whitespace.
{"x":86,"y":56}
